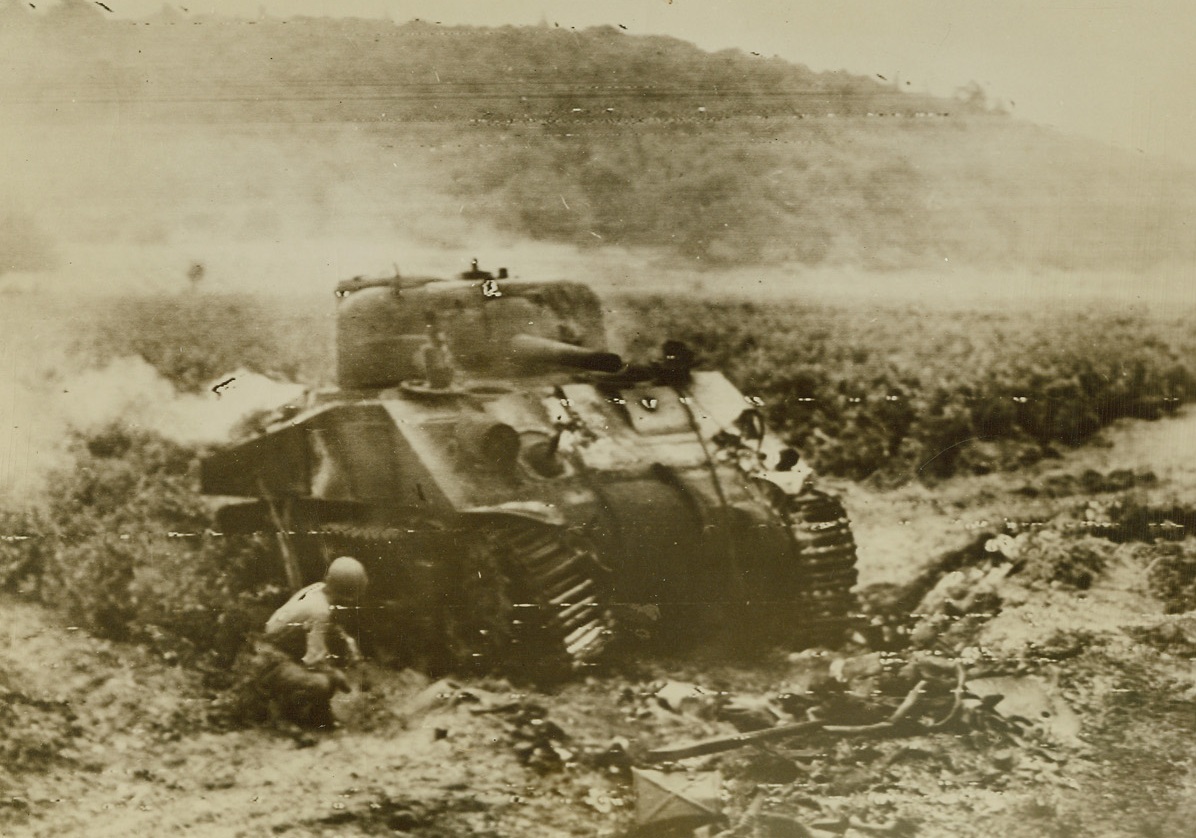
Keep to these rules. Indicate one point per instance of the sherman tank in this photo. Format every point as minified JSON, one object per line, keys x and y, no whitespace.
{"x":524,"y":497}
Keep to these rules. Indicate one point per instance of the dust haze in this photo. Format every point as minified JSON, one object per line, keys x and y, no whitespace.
{"x":281,"y":155}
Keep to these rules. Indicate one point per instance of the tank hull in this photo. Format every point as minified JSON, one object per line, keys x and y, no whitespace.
{"x":549,"y":513}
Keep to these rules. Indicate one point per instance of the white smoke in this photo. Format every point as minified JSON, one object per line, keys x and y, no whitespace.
{"x":210,"y":416}
{"x":130,"y":391}
{"x":39,"y":414}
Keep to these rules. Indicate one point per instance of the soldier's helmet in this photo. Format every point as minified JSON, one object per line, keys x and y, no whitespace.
{"x":346,"y":579}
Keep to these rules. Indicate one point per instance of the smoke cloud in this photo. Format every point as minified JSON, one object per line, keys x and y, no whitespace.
{"x":43,"y":409}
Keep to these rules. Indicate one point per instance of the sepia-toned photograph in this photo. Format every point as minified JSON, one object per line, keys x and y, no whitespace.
{"x":633,"y":419}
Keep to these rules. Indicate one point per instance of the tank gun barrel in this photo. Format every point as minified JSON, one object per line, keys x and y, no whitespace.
{"x":532,"y":351}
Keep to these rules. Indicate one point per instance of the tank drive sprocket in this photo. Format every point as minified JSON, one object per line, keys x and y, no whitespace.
{"x":561,"y":590}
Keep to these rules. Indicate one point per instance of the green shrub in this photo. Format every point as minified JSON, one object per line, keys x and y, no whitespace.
{"x":1054,"y":557}
{"x":1172,"y":575}
{"x":122,"y":547}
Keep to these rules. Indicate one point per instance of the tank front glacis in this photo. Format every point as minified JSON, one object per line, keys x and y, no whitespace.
{"x":519,"y":492}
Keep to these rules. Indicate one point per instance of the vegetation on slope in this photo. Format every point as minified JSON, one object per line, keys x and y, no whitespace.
{"x":875,"y":192}
{"x":122,"y":546}
{"x":591,"y":138}
{"x":349,"y":69}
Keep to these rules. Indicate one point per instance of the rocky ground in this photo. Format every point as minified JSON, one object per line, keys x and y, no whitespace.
{"x":1022,"y":677}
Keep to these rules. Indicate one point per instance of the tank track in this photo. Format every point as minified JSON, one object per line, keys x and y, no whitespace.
{"x":533,"y":596}
{"x":827,"y":557}
{"x":563,"y":586}
{"x":821,"y":582}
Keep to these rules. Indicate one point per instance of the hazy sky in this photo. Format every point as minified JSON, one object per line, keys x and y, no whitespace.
{"x":1121,"y":71}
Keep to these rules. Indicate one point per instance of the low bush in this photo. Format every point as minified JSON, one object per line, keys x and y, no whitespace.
{"x":122,"y":547}
{"x":1172,"y":575}
{"x":37,"y":732}
{"x":1074,"y":562}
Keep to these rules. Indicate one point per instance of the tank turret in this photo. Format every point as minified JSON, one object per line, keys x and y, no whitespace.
{"x":486,"y":325}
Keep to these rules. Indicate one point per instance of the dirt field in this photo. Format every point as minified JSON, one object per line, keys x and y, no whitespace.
{"x":1093,"y":734}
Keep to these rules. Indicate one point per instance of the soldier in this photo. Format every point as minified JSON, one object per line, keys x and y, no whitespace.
{"x":306,"y":645}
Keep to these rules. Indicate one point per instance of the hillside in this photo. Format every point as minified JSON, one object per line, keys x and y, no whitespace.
{"x":355,"y":70}
{"x":192,"y":129}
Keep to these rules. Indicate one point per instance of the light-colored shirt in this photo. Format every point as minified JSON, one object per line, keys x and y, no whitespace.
{"x":310,"y":615}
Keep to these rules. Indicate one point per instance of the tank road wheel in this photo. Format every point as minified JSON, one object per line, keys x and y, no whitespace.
{"x":480,"y":611}
{"x":409,"y":604}
{"x":533,"y":602}
{"x":438,"y":600}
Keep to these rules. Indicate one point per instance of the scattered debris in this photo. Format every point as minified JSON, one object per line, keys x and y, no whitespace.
{"x":437,"y":693}
{"x":749,"y":713}
{"x":538,"y":742}
{"x":684,"y":799}
{"x":1027,"y":698}
{"x":719,"y":744}
{"x":680,"y":697}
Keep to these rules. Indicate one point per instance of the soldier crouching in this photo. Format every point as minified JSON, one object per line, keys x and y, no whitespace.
{"x":295,"y":668}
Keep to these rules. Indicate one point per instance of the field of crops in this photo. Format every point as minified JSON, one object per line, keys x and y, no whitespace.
{"x":912,"y":393}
